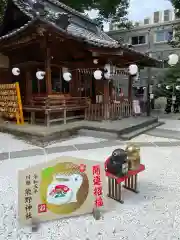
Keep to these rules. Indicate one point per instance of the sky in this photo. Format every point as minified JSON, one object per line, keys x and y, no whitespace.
{"x":140,"y":9}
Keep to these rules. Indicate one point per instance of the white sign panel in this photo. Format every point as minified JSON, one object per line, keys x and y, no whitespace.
{"x":136,"y":107}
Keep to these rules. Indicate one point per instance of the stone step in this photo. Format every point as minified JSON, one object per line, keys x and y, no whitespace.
{"x":139,"y":131}
{"x":97,"y":134}
{"x":119,"y":135}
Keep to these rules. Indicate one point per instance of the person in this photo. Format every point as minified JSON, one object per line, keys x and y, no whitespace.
{"x":168,"y":105}
{"x":175,"y":107}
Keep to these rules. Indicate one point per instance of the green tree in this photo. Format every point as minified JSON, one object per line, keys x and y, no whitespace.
{"x":2,"y":8}
{"x":170,"y":78}
{"x":175,"y":42}
{"x":108,"y":10}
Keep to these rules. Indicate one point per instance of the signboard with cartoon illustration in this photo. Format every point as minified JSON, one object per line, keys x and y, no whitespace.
{"x":64,"y":187}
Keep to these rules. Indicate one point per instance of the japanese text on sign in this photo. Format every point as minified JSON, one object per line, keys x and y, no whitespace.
{"x":98,"y":192}
{"x":28,"y":198}
{"x":35,"y":183}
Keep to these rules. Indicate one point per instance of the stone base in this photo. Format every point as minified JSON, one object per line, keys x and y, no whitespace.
{"x":42,"y":136}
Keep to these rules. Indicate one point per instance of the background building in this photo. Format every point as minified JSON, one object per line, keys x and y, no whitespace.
{"x":150,"y":36}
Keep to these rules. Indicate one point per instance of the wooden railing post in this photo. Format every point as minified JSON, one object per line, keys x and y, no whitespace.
{"x":65,"y":111}
{"x":47,"y":113}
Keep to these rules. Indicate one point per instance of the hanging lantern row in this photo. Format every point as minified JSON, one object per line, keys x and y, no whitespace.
{"x":117,"y":72}
{"x":41,"y":74}
{"x":98,"y":74}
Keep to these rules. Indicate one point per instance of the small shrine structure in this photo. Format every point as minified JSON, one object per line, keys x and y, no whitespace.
{"x":55,"y":40}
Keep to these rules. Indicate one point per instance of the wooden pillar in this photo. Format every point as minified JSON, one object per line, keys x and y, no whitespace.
{"x":106,"y":99}
{"x":71,"y":85}
{"x":106,"y":90}
{"x":48,"y":69}
{"x":130,"y":82}
{"x":28,"y":87}
{"x":74,"y":87}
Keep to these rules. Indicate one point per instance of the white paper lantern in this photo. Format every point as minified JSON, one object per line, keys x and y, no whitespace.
{"x":95,"y":61}
{"x":40,"y":75}
{"x":16,"y":71}
{"x":173,"y":59}
{"x":107,"y":68}
{"x":133,"y":69}
{"x":107,"y":75}
{"x":178,"y":88}
{"x":67,"y":76}
{"x":168,"y":87}
{"x":98,"y":74}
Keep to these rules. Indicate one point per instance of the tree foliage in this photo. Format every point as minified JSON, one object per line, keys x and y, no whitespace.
{"x":173,"y":73}
{"x":170,"y":78}
{"x":114,"y":10}
{"x":108,"y":10}
{"x":2,"y":8}
{"x":175,"y":42}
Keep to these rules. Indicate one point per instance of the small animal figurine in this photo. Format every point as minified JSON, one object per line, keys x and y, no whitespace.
{"x":63,"y":189}
{"x":118,"y":164}
{"x":133,"y":154}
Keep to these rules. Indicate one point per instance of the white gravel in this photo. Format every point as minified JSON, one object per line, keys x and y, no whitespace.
{"x":151,"y":214}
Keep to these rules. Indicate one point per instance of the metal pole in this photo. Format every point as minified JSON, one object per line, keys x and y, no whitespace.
{"x":148,"y":93}
{"x":148,"y":80}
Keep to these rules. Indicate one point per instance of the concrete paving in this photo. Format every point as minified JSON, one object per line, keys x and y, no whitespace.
{"x":59,"y":149}
{"x":170,"y":129}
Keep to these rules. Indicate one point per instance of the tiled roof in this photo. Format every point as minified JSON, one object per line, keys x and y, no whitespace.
{"x":91,"y":37}
{"x":71,"y":10}
{"x":16,"y":31}
{"x":100,"y":39}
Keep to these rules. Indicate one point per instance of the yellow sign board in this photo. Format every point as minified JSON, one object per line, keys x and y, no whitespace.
{"x":61,"y":188}
{"x":10,"y":102}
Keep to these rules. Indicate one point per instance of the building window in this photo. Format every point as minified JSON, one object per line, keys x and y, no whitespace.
{"x":138,"y":40}
{"x":164,"y":36}
{"x":146,"y":21}
{"x":156,"y":17}
{"x":166,"y":15}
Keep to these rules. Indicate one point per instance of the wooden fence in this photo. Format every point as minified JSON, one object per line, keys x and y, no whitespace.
{"x":100,"y":111}
{"x":56,"y":108}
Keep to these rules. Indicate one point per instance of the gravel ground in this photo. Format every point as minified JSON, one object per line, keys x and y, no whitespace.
{"x":151,"y":214}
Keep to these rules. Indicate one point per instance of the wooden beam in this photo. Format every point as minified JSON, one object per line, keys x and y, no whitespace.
{"x":19,"y":44}
{"x":107,"y":52}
